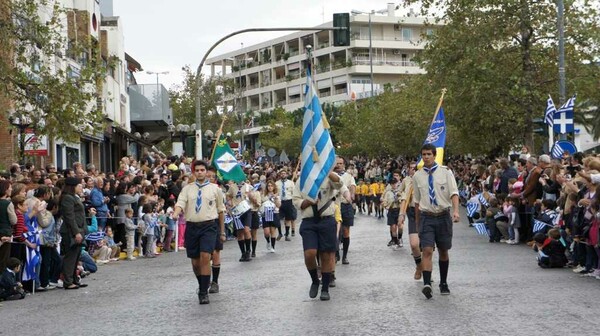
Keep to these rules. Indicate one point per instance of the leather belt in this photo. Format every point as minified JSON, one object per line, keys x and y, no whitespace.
{"x":434,"y":214}
{"x":212,"y":221}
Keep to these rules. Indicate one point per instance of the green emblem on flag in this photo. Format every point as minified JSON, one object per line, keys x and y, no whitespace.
{"x":227,"y":166}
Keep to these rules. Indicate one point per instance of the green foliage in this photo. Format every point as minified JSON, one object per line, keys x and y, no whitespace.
{"x":498,"y":61}
{"x":59,"y":99}
{"x":183,"y":99}
{"x":284,"y":132}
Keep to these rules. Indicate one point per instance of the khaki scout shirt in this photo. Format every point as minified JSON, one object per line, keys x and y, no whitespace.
{"x":328,"y":191}
{"x":289,"y":189}
{"x":348,"y":181}
{"x":391,"y":197}
{"x":212,"y":202}
{"x":405,"y":189}
{"x":444,"y":185}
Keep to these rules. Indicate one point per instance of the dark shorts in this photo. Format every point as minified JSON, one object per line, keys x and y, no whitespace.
{"x":319,"y":235}
{"x":435,"y":231}
{"x":410,"y":217}
{"x":274,"y":223}
{"x":287,"y":210}
{"x":347,"y":214}
{"x":200,"y":238}
{"x":392,"y":216}
{"x":377,"y":199}
{"x":255,"y":222}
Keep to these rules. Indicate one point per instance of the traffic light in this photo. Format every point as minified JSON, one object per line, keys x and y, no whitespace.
{"x":341,"y":37}
{"x":540,"y":127}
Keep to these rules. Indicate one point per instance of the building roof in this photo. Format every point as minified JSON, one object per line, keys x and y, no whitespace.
{"x":132,"y":64}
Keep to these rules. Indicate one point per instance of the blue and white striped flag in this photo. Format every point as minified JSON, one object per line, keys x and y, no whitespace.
{"x":557,"y":151}
{"x":549,"y":114}
{"x":481,"y":229}
{"x":482,"y":200}
{"x":32,"y":255}
{"x":228,"y":219}
{"x":472,"y":208}
{"x":94,"y":237}
{"x":539,"y":225}
{"x":318,"y":153}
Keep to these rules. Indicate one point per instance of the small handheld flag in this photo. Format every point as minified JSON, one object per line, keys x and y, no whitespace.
{"x":549,"y":113}
{"x":481,"y":229}
{"x":539,"y":225}
{"x":472,"y":208}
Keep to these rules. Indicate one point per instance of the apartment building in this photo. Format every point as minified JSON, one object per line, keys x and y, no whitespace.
{"x":271,"y":73}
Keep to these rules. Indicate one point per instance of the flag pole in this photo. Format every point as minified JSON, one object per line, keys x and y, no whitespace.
{"x":439,"y":105}
{"x":217,"y":136}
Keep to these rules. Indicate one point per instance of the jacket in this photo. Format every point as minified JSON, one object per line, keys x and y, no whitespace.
{"x":73,"y":213}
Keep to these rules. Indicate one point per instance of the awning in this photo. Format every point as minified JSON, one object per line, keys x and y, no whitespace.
{"x":132,"y":64}
{"x":131,"y":137}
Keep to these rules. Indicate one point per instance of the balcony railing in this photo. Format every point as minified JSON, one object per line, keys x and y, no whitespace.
{"x":149,"y":103}
{"x":325,"y":94}
{"x":340,"y":91}
{"x":281,"y":102}
{"x":252,"y":86}
{"x":295,"y":100}
{"x":384,"y":61}
{"x":293,"y":52}
{"x":323,"y":45}
{"x":384,"y":38}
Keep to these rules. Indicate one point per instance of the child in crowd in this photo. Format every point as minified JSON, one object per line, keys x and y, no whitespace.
{"x":130,"y":229}
{"x":151,"y":221}
{"x":551,"y":252}
{"x":170,"y":225}
{"x":141,"y":226}
{"x":115,"y":248}
{"x":102,"y":253}
{"x":514,"y":221}
{"x":490,"y":220}
{"x":10,"y":288}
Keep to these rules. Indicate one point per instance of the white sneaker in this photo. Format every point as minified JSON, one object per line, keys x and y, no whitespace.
{"x":272,"y":250}
{"x":504,"y":241}
{"x":513,"y":242}
{"x":131,"y":258}
{"x":269,"y":247}
{"x":578,"y":269}
{"x":59,"y":284}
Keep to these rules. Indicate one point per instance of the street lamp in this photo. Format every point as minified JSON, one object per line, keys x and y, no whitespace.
{"x":355,"y":12}
{"x":22,"y":123}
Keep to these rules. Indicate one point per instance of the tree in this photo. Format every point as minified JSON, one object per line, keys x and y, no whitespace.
{"x":59,"y":99}
{"x":284,"y":132}
{"x":498,"y":60}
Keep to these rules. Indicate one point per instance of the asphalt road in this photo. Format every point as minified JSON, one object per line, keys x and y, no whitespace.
{"x":497,"y":289}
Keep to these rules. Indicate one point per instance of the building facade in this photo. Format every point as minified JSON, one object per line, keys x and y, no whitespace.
{"x":271,"y":73}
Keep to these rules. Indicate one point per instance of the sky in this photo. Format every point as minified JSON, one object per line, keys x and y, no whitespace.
{"x":165,"y":35}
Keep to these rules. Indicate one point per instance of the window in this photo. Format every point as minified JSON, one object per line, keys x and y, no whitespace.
{"x":406,"y":34}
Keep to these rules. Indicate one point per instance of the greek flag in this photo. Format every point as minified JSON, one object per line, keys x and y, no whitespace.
{"x":563,"y":118}
{"x":539,"y":225}
{"x":257,"y":186}
{"x":269,"y":214}
{"x":227,"y":219}
{"x":237,"y":223}
{"x":472,"y":209}
{"x":481,"y":229}
{"x":32,"y":255}
{"x":557,"y":151}
{"x":94,"y":237}
{"x":482,"y":200}
{"x":318,"y":154}
{"x":549,"y":114}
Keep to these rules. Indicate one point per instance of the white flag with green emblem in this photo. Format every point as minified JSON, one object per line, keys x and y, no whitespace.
{"x":228,"y":168}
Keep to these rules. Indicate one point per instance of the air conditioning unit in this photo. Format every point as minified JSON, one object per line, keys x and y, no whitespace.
{"x":397,"y":27}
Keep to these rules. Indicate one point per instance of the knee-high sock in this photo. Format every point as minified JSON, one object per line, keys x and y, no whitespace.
{"x":345,"y":244}
{"x":247,"y":242}
{"x":216,"y":270}
{"x":444,"y":265}
{"x":273,"y":240}
{"x":242,"y":246}
{"x":254,"y":242}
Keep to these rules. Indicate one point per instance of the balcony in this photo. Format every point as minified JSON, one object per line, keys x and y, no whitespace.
{"x":384,"y":61}
{"x":149,"y":106}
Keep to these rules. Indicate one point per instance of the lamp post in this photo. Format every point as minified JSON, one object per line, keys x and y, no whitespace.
{"x":355,"y":12}
{"x":183,"y":130}
{"x":240,"y":110}
{"x":22,"y":123}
